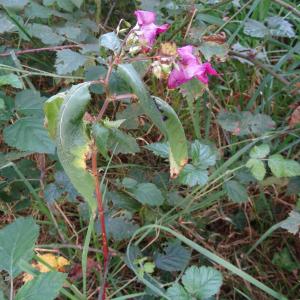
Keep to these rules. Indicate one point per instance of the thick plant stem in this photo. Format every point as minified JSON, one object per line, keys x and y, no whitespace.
{"x":101,"y":217}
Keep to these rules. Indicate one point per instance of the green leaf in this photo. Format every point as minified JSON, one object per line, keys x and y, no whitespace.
{"x":235,"y":191}
{"x":68,"y":61}
{"x":130,"y":115}
{"x":28,"y":134}
{"x":280,"y":27}
{"x":243,"y":123}
{"x":284,"y":260}
{"x":159,"y":149}
{"x":171,"y":128}
{"x":29,"y":102}
{"x":51,"y":110}
{"x":52,"y":193}
{"x":5,"y":24}
{"x":292,"y":222}
{"x":203,"y":156}
{"x":202,"y":282}
{"x":120,"y":228}
{"x":148,"y":193}
{"x":191,"y":176}
{"x":210,"y":49}
{"x":257,"y":168}
{"x":129,"y":183}
{"x":45,"y":286}
{"x":12,"y":80}
{"x":2,"y":295}
{"x":67,"y":5}
{"x":14,"y":4}
{"x":101,"y":134}
{"x":282,"y":167}
{"x":110,"y":41}
{"x":121,"y":200}
{"x":119,"y":142}
{"x":175,"y":257}
{"x":73,"y":142}
{"x":17,"y":241}
{"x":45,"y":34}
{"x":260,"y":151}
{"x":77,"y":3}
{"x":178,"y":151}
{"x":177,"y":292}
{"x":255,"y":29}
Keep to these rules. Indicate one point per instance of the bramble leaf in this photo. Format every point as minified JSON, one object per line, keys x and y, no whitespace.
{"x":17,"y":241}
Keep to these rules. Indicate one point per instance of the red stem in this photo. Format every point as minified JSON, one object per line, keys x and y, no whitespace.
{"x":55,"y":48}
{"x":101,"y":216}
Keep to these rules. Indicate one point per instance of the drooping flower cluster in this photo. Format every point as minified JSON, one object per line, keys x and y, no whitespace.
{"x":188,"y":67}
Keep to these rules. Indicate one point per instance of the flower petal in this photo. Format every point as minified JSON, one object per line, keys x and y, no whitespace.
{"x":176,"y":78}
{"x":204,"y":70}
{"x":145,"y":17}
{"x":186,"y":55}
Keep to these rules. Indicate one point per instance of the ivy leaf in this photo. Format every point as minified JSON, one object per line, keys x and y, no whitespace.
{"x":148,"y":193}
{"x":257,"y":168}
{"x":29,"y":102}
{"x":260,"y":151}
{"x":159,"y":149}
{"x":202,"y":282}
{"x":191,"y":176}
{"x":280,"y":27}
{"x":255,"y":29}
{"x":68,"y":61}
{"x":282,"y":167}
{"x":119,"y":142}
{"x":45,"y":286}
{"x":235,"y":191}
{"x":292,"y":222}
{"x":110,"y":41}
{"x":174,"y":258}
{"x":17,"y":241}
{"x":12,"y":80}
{"x":177,"y":292}
{"x":28,"y":134}
{"x":203,"y":155}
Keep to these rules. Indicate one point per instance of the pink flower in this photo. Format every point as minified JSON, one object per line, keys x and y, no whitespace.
{"x":188,"y":68}
{"x":146,"y":29}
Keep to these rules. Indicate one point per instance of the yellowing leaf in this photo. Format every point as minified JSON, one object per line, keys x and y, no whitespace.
{"x":56,"y":262}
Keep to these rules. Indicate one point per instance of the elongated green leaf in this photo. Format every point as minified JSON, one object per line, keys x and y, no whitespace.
{"x":43,"y":287}
{"x":73,"y":142}
{"x":16,"y":243}
{"x":158,"y":111}
{"x":51,"y":109}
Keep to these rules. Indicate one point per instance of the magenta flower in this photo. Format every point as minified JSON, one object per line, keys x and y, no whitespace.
{"x":146,"y":29}
{"x":188,"y":68}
